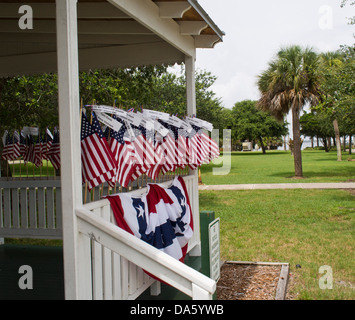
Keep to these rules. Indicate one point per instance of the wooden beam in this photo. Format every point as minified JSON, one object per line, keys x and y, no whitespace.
{"x":84,"y":27}
{"x":206,"y":41}
{"x":129,"y":56}
{"x":36,"y":38}
{"x":172,"y":9}
{"x":281,"y":290}
{"x":94,"y":58}
{"x":193,"y":28}
{"x":147,"y":13}
{"x":86,"y":10}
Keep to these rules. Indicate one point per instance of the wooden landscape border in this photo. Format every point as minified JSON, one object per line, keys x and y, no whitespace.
{"x":283,"y":279}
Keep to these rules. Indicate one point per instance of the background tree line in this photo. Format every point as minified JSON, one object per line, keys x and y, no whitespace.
{"x":33,"y":101}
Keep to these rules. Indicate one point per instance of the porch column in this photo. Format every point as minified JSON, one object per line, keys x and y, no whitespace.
{"x":192,"y":110}
{"x":190,"y":85}
{"x":69,"y":120}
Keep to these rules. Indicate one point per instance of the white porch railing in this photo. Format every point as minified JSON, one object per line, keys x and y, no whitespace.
{"x":113,"y":260}
{"x":30,"y":209}
{"x":117,"y":255}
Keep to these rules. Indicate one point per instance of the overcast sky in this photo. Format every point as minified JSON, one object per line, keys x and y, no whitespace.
{"x":256,"y":30}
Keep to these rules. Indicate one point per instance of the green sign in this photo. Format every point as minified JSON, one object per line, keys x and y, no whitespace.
{"x":214,"y":244}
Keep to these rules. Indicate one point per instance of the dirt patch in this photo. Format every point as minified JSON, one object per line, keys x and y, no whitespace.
{"x":249,"y":282}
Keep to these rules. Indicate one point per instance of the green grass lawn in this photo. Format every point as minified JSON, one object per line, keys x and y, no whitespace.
{"x":310,"y":228}
{"x":278,"y":167}
{"x":30,"y":170}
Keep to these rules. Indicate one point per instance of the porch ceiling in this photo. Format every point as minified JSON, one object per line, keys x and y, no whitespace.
{"x":108,"y":36}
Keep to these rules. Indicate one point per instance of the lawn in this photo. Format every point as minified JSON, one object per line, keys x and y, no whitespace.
{"x":278,"y":167}
{"x":308,"y":228}
{"x":19,"y":169}
{"x":301,"y":227}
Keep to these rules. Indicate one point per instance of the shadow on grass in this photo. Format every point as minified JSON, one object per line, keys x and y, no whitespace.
{"x":258,"y":153}
{"x":341,"y":172}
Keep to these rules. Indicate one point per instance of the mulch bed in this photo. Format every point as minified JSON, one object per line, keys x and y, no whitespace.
{"x":248,"y":282}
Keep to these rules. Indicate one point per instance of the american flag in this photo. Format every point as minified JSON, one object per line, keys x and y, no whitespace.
{"x":169,"y":150}
{"x":29,"y":152}
{"x":145,"y":152}
{"x":199,"y":146}
{"x":159,"y":159}
{"x":11,"y":150}
{"x":172,"y":146}
{"x":174,"y":228}
{"x":98,"y":164}
{"x":180,"y":147}
{"x":38,"y":152}
{"x":211,"y":146}
{"x":53,"y":153}
{"x":47,"y":143}
{"x":22,"y":144}
{"x":124,"y":155}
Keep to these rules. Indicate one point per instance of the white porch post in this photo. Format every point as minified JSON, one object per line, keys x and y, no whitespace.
{"x":192,"y":110}
{"x":69,"y":119}
{"x":190,"y":85}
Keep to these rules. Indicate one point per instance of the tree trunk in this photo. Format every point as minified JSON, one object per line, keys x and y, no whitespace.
{"x":350,"y":144}
{"x":262,"y":145}
{"x":325,"y":143}
{"x":297,"y":153}
{"x":337,"y":139}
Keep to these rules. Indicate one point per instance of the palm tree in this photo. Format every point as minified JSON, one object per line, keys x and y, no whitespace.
{"x":289,"y":83}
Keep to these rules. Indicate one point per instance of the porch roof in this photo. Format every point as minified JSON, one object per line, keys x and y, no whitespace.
{"x":148,"y":32}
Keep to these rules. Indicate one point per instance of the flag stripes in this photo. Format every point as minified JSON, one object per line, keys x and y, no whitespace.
{"x":119,"y":156}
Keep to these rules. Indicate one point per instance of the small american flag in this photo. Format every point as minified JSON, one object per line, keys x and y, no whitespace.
{"x":211,"y":146}
{"x":172,"y":145}
{"x":47,"y":143}
{"x":159,"y":159}
{"x":22,"y":144}
{"x":98,"y":164}
{"x":145,"y":152}
{"x":11,"y":149}
{"x":124,"y":155}
{"x":29,"y":152}
{"x":53,"y":153}
{"x":38,"y":152}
